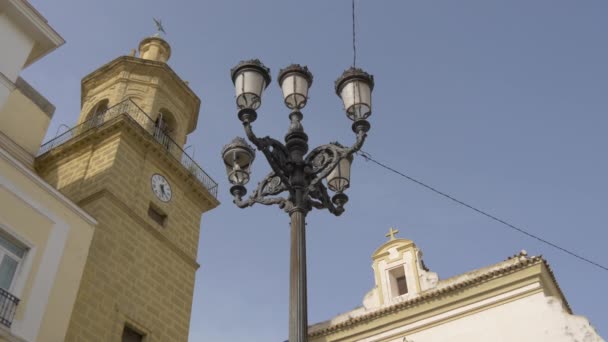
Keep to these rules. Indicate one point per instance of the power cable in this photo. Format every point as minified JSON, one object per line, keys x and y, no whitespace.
{"x":354,"y":38}
{"x":368,"y":157}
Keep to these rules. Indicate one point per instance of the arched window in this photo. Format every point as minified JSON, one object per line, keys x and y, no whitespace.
{"x":164,"y":128}
{"x":96,"y":114}
{"x":102,"y":107}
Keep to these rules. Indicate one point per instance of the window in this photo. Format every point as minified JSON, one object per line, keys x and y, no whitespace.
{"x":397,"y":281}
{"x":401,"y":285}
{"x":11,"y":255}
{"x":96,"y":114}
{"x":130,"y":335}
{"x":157,"y":215}
{"x":101,"y":108}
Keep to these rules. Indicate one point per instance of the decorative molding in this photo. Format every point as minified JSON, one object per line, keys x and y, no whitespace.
{"x":26,"y":263}
{"x":47,"y":39}
{"x":44,"y":279}
{"x":45,"y":186}
{"x":16,"y":151}
{"x":28,"y":11}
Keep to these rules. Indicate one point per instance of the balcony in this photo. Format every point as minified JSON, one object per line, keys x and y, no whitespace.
{"x":8,"y":307}
{"x":130,"y":110}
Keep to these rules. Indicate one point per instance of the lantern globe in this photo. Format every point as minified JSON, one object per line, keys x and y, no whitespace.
{"x":355,"y":87}
{"x":250,"y":78}
{"x":238,"y":157}
{"x":338,"y":179}
{"x":295,"y":80}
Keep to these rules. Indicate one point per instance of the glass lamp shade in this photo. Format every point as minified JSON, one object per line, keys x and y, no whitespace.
{"x":338,"y":179}
{"x":238,"y":157}
{"x":355,"y":89}
{"x":295,"y":81}
{"x":250,"y":78}
{"x":237,"y":176}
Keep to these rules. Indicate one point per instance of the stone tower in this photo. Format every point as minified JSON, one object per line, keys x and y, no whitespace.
{"x":124,"y":164}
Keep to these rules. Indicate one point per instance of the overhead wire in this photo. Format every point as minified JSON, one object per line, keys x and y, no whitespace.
{"x":354,"y":37}
{"x":505,"y":223}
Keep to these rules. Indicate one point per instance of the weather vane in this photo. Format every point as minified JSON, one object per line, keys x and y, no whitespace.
{"x":159,"y":25}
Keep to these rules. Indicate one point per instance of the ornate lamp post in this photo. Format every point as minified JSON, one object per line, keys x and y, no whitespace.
{"x":299,"y":174}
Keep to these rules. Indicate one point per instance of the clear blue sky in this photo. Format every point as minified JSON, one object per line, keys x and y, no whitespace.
{"x":502,"y":104}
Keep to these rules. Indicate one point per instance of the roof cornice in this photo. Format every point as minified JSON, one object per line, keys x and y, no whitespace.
{"x":33,"y":23}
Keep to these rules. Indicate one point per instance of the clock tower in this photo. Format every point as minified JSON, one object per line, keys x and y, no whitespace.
{"x":124,"y":164}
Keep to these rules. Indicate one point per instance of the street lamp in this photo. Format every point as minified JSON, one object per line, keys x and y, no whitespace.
{"x":250,"y":78}
{"x":295,"y":81}
{"x":238,"y":157}
{"x":295,"y":172}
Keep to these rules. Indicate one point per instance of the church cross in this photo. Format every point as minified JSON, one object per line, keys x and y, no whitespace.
{"x":391,"y":233}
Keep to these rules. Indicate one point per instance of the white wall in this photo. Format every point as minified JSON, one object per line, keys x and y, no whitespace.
{"x":16,"y":46}
{"x":25,"y":36}
{"x":533,"y":318}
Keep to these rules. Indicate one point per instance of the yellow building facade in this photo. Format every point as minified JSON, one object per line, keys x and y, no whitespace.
{"x":47,"y":237}
{"x":44,"y":236}
{"x":124,"y":164}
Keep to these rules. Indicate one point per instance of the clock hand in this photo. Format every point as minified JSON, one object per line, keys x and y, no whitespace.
{"x":162,"y":188}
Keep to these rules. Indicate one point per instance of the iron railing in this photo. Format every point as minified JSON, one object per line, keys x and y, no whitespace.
{"x":8,"y":307}
{"x":132,"y":111}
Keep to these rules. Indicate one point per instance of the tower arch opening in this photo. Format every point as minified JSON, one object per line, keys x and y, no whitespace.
{"x":95,"y":115}
{"x":165,"y":128}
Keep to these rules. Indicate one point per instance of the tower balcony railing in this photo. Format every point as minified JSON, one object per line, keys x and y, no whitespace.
{"x":8,"y":307}
{"x":132,"y":111}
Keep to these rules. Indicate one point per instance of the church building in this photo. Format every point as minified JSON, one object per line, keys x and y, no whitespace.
{"x":124,"y":164}
{"x":517,"y":299}
{"x":99,"y":226}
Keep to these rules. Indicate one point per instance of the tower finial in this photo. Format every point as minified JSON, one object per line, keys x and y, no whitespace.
{"x":159,"y":26}
{"x":391,"y":234}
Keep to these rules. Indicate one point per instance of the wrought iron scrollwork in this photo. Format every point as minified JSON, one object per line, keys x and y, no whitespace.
{"x":324,"y":158}
{"x":272,"y":185}
{"x":275,"y":152}
{"x":317,"y":165}
{"x":320,"y":199}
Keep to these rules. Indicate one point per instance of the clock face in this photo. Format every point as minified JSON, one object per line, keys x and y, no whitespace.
{"x":161,"y":187}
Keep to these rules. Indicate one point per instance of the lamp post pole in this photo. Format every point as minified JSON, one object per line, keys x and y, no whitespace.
{"x":296,"y":143}
{"x":295,"y":172}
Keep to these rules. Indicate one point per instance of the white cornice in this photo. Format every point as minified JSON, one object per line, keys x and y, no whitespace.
{"x":46,"y":187}
{"x":34,"y":24}
{"x":16,"y":151}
